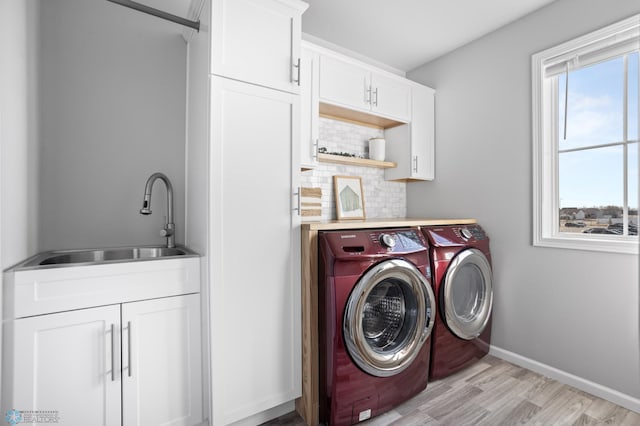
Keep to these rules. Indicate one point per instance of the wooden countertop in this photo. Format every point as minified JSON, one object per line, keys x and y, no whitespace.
{"x":327,"y":225}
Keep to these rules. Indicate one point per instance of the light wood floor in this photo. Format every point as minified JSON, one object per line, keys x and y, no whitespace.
{"x":495,"y":392}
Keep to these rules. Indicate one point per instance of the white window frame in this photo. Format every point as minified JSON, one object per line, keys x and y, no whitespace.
{"x":545,"y":149}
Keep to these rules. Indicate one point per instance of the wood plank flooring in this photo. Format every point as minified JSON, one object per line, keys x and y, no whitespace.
{"x":495,"y":392}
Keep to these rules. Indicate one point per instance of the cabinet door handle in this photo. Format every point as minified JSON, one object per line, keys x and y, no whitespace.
{"x":299,"y":208}
{"x":415,"y":163}
{"x":315,"y":150}
{"x":375,"y":92}
{"x":129,"y":346}
{"x":297,"y":66}
{"x":367,"y":93}
{"x":113,"y":353}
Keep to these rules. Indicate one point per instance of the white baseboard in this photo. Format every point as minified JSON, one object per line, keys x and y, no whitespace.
{"x":267,"y":415}
{"x":619,"y":398}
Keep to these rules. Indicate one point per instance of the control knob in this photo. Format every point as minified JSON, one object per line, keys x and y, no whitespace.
{"x":466,"y":234}
{"x":387,"y":241}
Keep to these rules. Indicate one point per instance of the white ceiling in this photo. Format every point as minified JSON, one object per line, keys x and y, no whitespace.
{"x":403,"y":34}
{"x":408,"y":33}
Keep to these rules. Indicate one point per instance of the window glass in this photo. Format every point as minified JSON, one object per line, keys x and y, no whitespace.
{"x":595,"y":105}
{"x":633,"y":184}
{"x":590,"y":187}
{"x":633,"y":96}
{"x":591,"y":178}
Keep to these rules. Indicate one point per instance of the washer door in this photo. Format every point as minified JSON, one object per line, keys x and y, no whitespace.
{"x":468,"y":294}
{"x":388,"y":316}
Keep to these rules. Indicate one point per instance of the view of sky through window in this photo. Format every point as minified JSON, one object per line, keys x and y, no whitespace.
{"x":594,"y":177}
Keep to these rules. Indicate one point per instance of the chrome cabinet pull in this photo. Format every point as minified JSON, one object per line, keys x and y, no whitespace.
{"x":375,"y":92}
{"x":299,"y":208}
{"x":315,"y":149}
{"x":297,"y":65}
{"x":129,"y":344}
{"x":367,"y":93}
{"x":415,"y":162}
{"x":113,"y":353}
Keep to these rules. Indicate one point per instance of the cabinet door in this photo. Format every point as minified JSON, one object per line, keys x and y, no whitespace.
{"x":161,"y":362}
{"x":423,"y":133}
{"x":309,"y":109}
{"x":257,"y":41}
{"x":391,"y":97}
{"x":412,"y":146}
{"x":255,"y":250}
{"x":66,"y":363}
{"x":344,"y":84}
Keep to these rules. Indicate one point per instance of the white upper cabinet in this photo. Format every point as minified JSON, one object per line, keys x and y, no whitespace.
{"x":339,"y":87}
{"x":390,"y":97}
{"x":309,"y":109}
{"x":344,"y":84}
{"x":355,"y":86}
{"x":257,"y":41}
{"x":412,"y":146}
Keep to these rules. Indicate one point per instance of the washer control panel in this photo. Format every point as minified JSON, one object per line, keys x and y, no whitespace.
{"x":455,"y":235}
{"x":470,"y":232}
{"x":404,"y":240}
{"x":374,"y":242}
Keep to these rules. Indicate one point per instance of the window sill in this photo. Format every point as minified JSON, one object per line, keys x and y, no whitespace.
{"x":597,"y":243}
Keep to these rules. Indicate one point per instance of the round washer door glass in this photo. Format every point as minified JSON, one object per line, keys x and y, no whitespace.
{"x":388,"y":317}
{"x":468,"y":294}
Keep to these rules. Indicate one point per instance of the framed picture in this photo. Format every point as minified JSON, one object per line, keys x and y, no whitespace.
{"x":349,"y":197}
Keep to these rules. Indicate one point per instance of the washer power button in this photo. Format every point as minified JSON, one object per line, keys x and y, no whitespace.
{"x":466,"y":234}
{"x":387,"y":240}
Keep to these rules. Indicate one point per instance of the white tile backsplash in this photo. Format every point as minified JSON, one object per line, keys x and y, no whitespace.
{"x":382,"y":199}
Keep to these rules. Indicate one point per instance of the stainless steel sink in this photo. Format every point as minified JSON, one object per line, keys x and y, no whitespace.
{"x":106,"y":255}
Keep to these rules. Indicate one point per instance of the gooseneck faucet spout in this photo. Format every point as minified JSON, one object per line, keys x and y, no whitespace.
{"x":169,"y":227}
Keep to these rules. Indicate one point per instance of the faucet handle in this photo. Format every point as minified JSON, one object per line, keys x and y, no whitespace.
{"x":168,"y":230}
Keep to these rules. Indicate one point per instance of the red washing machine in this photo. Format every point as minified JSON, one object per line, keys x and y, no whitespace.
{"x":462,"y":283}
{"x":376,"y":313}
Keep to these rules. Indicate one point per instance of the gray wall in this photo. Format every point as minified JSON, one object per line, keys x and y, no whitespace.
{"x":18,"y":134}
{"x":113,"y":93}
{"x":18,"y":130}
{"x":575,"y":311}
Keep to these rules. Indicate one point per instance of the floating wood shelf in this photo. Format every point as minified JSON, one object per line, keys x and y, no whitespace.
{"x":354,"y":161}
{"x":356,"y":117}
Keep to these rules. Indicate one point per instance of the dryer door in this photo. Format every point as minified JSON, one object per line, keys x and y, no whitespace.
{"x":467,"y":294}
{"x":388,"y":317}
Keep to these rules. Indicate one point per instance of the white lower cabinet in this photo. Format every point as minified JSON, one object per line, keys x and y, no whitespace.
{"x":161,"y":373}
{"x":127,"y":364}
{"x":68,"y":363}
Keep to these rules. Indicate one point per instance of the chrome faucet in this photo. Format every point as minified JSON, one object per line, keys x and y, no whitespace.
{"x":169,"y":227}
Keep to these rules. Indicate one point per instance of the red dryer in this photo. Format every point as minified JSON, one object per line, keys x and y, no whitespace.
{"x":462,"y":284}
{"x":376,"y":313}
